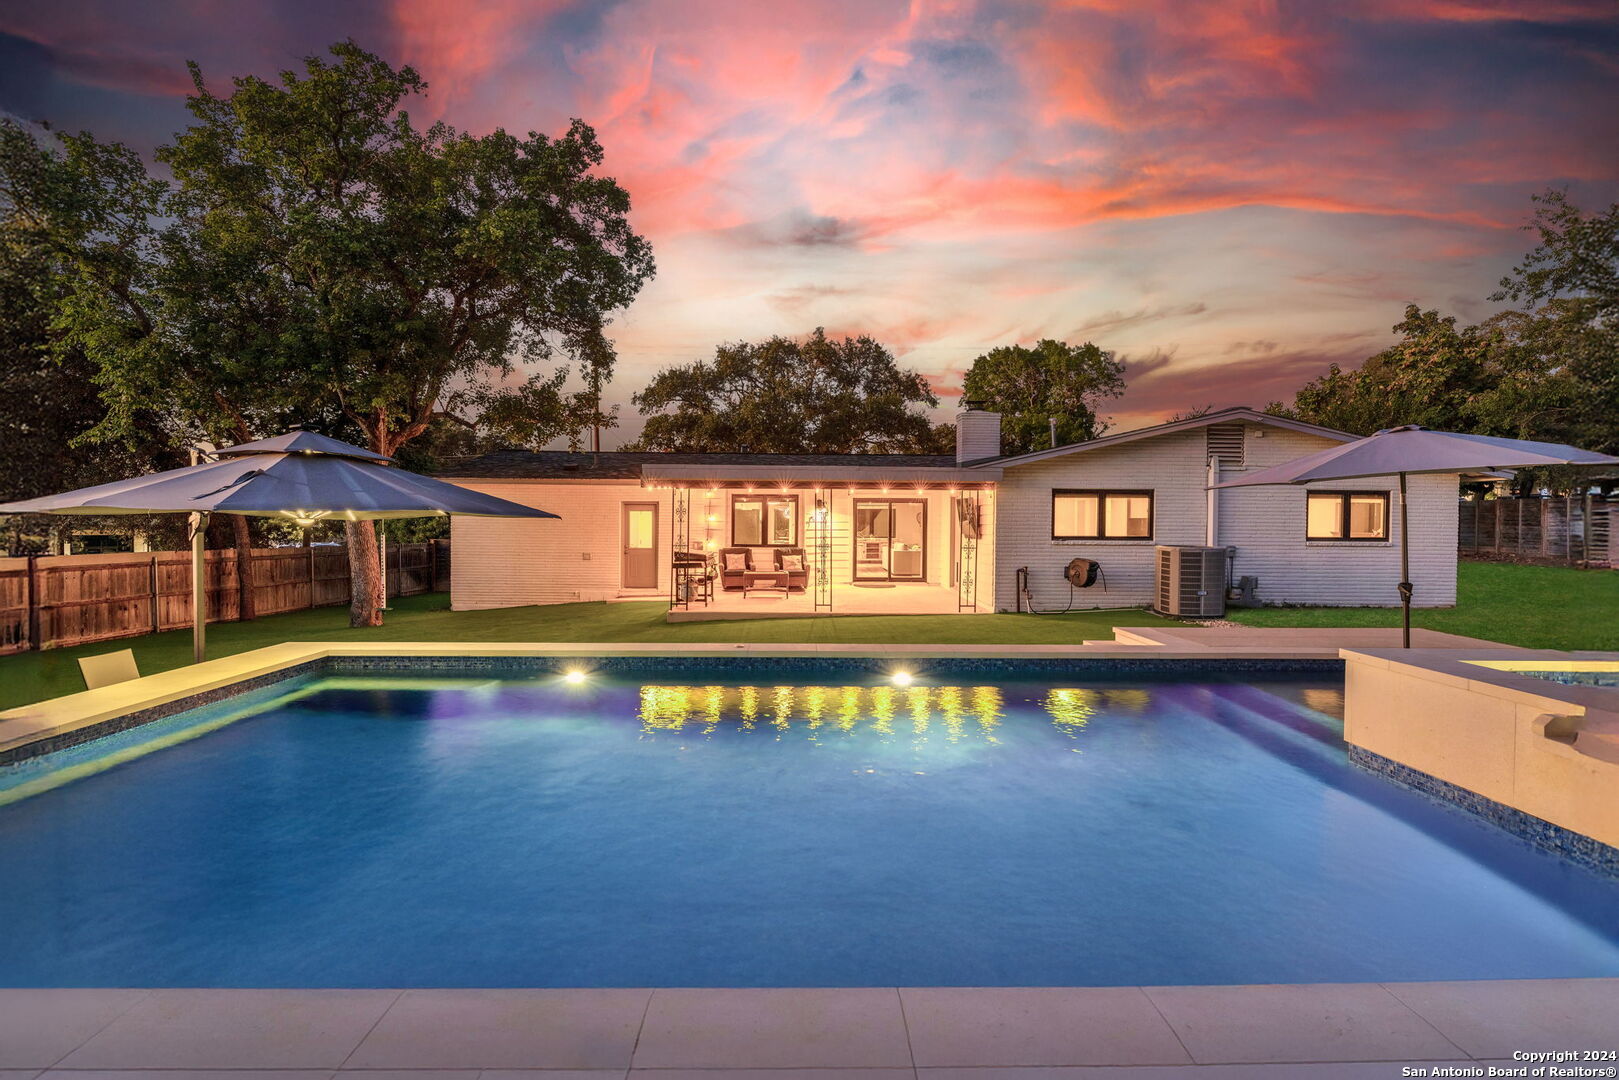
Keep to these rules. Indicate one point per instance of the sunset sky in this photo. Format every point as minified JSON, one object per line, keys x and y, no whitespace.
{"x":1230,"y":195}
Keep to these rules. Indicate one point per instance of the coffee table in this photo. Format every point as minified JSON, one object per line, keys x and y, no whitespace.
{"x":764,"y":581}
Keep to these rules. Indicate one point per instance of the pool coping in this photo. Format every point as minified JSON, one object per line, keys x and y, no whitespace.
{"x":889,"y":1032}
{"x":197,"y":684}
{"x":1469,"y":669}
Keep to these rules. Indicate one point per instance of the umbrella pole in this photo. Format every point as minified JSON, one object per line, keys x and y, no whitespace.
{"x":1405,"y":570}
{"x":199,"y":587}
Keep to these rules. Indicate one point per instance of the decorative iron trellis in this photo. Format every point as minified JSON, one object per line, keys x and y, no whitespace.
{"x":821,"y":519}
{"x":969,"y":525}
{"x":680,"y":573}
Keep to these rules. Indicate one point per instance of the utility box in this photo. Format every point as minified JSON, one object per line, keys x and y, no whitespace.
{"x":1191,"y":581}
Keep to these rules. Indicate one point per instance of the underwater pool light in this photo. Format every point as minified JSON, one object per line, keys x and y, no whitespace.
{"x":574,"y":676}
{"x":900,"y":678}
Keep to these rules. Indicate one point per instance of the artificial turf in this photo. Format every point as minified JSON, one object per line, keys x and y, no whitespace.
{"x":1534,"y":606}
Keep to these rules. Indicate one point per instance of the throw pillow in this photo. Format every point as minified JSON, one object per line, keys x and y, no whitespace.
{"x":736,"y":562}
{"x":792,"y":563}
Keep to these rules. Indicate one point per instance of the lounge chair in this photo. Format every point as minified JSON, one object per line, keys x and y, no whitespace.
{"x":108,"y":668}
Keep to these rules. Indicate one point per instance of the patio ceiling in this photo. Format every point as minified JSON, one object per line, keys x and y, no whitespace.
{"x":820,"y":476}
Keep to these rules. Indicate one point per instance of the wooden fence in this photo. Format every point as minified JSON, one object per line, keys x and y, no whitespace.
{"x":56,"y":600}
{"x":1571,"y":530}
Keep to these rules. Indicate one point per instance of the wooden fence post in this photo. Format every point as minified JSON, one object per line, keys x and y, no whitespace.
{"x":31,"y":593}
{"x":152,"y":573}
{"x":1568,"y":528}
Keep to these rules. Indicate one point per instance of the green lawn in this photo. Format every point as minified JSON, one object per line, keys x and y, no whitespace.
{"x":34,"y":676}
{"x":1539,"y":607}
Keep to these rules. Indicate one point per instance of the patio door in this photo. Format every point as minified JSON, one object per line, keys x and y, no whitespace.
{"x":890,"y":539}
{"x":640,"y":532}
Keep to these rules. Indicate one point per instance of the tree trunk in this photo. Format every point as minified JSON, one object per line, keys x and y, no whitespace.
{"x":365,"y":574}
{"x":246,"y":606}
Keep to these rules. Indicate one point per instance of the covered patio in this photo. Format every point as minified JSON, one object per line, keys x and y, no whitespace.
{"x":751,"y":541}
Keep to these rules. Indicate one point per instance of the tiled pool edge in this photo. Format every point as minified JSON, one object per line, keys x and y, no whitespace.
{"x":324,"y":662}
{"x":743,"y":663}
{"x":128,"y":721}
{"x":1576,"y":847}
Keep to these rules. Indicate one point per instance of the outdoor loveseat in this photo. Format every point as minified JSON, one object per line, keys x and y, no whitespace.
{"x":761,"y":558}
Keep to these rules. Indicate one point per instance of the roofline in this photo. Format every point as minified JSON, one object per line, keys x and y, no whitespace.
{"x":1239,"y":412}
{"x":898,"y":474}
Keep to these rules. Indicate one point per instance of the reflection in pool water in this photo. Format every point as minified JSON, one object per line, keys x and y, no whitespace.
{"x":953,"y":712}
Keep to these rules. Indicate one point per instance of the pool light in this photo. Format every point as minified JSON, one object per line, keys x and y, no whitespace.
{"x":575,"y":676}
{"x":900,"y":678}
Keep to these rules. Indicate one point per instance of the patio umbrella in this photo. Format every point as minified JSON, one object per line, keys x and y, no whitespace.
{"x":300,"y":476}
{"x":1414,"y":449}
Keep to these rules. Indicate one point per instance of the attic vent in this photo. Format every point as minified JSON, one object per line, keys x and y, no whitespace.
{"x":1225,"y":441}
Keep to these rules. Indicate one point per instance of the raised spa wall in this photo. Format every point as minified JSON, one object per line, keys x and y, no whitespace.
{"x":1540,"y":758}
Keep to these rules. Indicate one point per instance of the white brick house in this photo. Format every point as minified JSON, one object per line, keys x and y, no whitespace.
{"x":718,"y":534}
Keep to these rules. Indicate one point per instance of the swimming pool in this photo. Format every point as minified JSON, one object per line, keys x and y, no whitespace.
{"x":687,"y":827}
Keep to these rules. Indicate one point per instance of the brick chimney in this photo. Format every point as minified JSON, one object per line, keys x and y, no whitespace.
{"x":978,"y":433}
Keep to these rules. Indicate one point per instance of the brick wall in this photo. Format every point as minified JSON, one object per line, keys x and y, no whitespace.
{"x":1264,"y":524}
{"x":510,"y":562}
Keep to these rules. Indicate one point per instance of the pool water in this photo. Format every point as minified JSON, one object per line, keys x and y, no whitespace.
{"x":1571,"y":678}
{"x":825,"y":832}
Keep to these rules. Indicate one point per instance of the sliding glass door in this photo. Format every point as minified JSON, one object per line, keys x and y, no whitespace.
{"x":890,"y":539}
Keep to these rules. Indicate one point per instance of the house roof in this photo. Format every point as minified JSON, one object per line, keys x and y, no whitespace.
{"x":1223,"y":416}
{"x":885,"y":474}
{"x":626,"y":465}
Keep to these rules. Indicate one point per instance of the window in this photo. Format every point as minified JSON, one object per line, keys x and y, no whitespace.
{"x":760,"y":520}
{"x":1347,"y":515}
{"x":1101,"y":515}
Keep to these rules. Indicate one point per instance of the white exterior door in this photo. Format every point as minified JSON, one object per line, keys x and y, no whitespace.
{"x":640,"y":535}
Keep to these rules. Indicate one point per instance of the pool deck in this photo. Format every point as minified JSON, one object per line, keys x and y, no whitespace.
{"x":1330,"y":1030}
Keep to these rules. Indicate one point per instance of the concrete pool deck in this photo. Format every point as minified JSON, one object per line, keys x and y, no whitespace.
{"x":1325,"y":1030}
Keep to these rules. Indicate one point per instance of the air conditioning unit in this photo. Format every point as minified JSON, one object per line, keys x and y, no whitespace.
{"x":1191,"y":582}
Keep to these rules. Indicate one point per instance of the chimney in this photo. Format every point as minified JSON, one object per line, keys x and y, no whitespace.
{"x":978,"y":433}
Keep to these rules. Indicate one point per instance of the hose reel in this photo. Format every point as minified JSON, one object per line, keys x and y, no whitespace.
{"x":1079,"y":573}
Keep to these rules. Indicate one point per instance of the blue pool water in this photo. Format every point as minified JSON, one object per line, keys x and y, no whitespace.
{"x":1574,"y":678}
{"x":648,"y":832}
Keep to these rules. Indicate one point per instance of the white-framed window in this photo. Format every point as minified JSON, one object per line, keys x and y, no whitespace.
{"x":1101,"y":515}
{"x":764,"y":520}
{"x":1346,"y":515}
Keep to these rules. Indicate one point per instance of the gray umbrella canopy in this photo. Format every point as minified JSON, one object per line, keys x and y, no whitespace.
{"x":1413,"y":449}
{"x":299,"y":476}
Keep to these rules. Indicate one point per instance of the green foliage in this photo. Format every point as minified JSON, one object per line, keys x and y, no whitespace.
{"x":56,"y":208}
{"x":411,"y":269}
{"x":1569,"y":285}
{"x":319,"y":259}
{"x":815,"y":396}
{"x":1435,"y":375}
{"x":1031,"y":386}
{"x":1547,"y":371}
